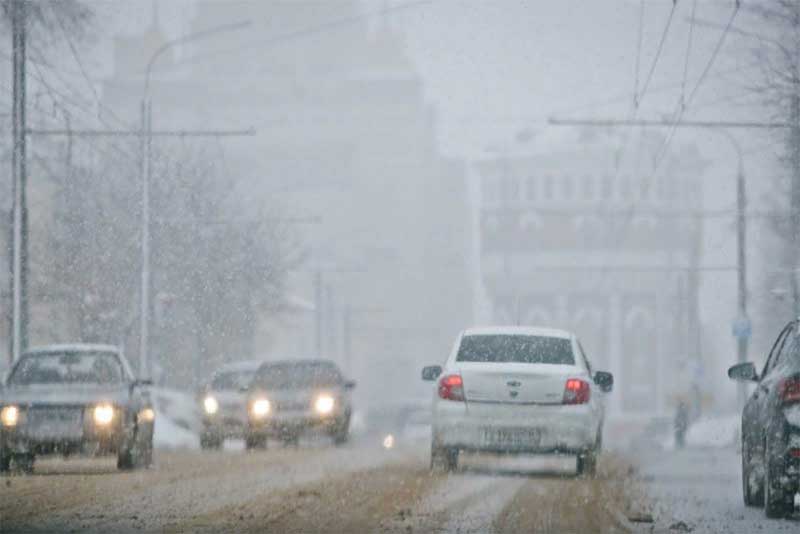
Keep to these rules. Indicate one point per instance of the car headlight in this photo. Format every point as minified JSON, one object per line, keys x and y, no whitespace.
{"x":9,"y":416}
{"x":324,"y":404}
{"x":210,"y":405}
{"x":148,"y":415}
{"x":103,"y":414}
{"x":388,"y":441}
{"x":260,"y":407}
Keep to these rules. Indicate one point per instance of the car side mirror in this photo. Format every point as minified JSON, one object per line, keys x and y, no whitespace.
{"x":244,"y":389}
{"x":604,"y":380}
{"x":431,"y":372}
{"x":743,"y":372}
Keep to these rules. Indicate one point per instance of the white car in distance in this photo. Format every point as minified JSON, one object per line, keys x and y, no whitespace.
{"x":518,"y":390}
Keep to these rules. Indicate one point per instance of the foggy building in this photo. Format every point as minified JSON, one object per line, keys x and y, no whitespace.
{"x":346,"y":152}
{"x":561,"y":246}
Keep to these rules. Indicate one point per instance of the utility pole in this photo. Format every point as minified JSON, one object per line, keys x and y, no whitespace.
{"x":742,"y":327}
{"x":19,"y":211}
{"x":318,"y":311}
{"x":794,"y":148}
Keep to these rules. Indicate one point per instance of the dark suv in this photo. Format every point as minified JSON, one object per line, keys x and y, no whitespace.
{"x":771,"y":427}
{"x":287,"y":398}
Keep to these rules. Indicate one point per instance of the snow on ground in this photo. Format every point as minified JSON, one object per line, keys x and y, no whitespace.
{"x":168,"y":435}
{"x":701,"y":488}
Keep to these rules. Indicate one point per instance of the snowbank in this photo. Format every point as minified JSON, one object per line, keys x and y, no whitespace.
{"x":169,"y":435}
{"x":714,"y":432}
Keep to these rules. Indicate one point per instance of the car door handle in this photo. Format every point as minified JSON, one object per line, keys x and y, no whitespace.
{"x":513,"y":383}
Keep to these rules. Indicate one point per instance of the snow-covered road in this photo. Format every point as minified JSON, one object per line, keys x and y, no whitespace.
{"x":699,"y":490}
{"x":315,"y":489}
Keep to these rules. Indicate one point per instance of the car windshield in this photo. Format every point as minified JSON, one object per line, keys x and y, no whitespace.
{"x":68,"y":367}
{"x":231,"y":380}
{"x":515,"y":349}
{"x":298,"y":375}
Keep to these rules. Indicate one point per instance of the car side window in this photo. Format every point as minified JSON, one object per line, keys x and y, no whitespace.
{"x":776,"y":349}
{"x":787,"y":352}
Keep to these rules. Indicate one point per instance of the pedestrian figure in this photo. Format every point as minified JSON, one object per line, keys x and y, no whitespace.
{"x":681,"y":423}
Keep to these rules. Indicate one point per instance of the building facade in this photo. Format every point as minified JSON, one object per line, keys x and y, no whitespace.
{"x":568,"y":239}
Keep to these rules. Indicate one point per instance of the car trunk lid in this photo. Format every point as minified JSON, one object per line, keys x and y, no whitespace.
{"x":516,"y":383}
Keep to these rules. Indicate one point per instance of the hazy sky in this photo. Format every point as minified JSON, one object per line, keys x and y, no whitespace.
{"x":493,"y":68}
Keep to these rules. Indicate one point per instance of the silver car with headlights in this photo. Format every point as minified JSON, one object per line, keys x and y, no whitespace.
{"x":290,"y":397}
{"x":223,"y":403}
{"x":75,"y":399}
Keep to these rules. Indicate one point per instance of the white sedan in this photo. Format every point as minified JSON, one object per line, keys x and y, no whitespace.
{"x":517,"y":390}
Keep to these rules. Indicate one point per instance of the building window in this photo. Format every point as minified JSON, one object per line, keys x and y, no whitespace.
{"x":566,"y":187}
{"x":490,"y":190}
{"x":625,"y":188}
{"x":608,"y":187}
{"x":588,"y":188}
{"x":530,"y":189}
{"x":549,"y":188}
{"x":511,"y":186}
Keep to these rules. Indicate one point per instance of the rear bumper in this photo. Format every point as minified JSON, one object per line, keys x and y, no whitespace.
{"x":546,"y":429}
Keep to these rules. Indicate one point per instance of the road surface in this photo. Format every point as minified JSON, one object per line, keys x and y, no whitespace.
{"x":357,"y":488}
{"x":361,"y":488}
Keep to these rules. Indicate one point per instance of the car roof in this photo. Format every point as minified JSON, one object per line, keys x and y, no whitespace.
{"x":241,"y":366}
{"x":518,"y":331}
{"x":307,"y":361}
{"x":73,"y":347}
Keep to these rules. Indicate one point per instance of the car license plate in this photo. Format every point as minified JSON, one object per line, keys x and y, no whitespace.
{"x":54,"y":424}
{"x":512,"y":437}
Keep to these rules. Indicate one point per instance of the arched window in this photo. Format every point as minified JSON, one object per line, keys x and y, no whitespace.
{"x":530,"y":189}
{"x":566,"y":187}
{"x":588,"y":187}
{"x":549,"y":188}
{"x":608,"y":187}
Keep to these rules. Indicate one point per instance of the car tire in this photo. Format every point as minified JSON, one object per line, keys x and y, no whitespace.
{"x":208,"y":441}
{"x":751,"y":498}
{"x":341,"y":433}
{"x":255,"y":442}
{"x":444,"y":459}
{"x":586,"y":464}
{"x":24,"y":463}
{"x":5,"y":464}
{"x":125,"y":460}
{"x":775,"y":503}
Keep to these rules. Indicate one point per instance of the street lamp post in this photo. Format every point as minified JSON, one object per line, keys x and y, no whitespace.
{"x":742,"y":328}
{"x":146,"y":176}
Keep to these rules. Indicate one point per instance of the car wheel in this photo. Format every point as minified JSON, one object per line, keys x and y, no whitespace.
{"x":775,"y":503}
{"x":586,"y":465}
{"x":753,"y":490}
{"x":341,"y":433}
{"x":208,"y":441}
{"x":255,"y":442}
{"x":125,"y":460}
{"x":5,"y":464}
{"x":24,"y":463}
{"x":444,"y":459}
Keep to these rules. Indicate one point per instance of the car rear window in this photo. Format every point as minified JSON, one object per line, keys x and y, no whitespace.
{"x":515,"y":349}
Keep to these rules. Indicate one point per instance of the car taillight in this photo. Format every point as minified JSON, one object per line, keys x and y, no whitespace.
{"x":789,"y":390}
{"x":451,"y":387}
{"x":576,"y":391}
